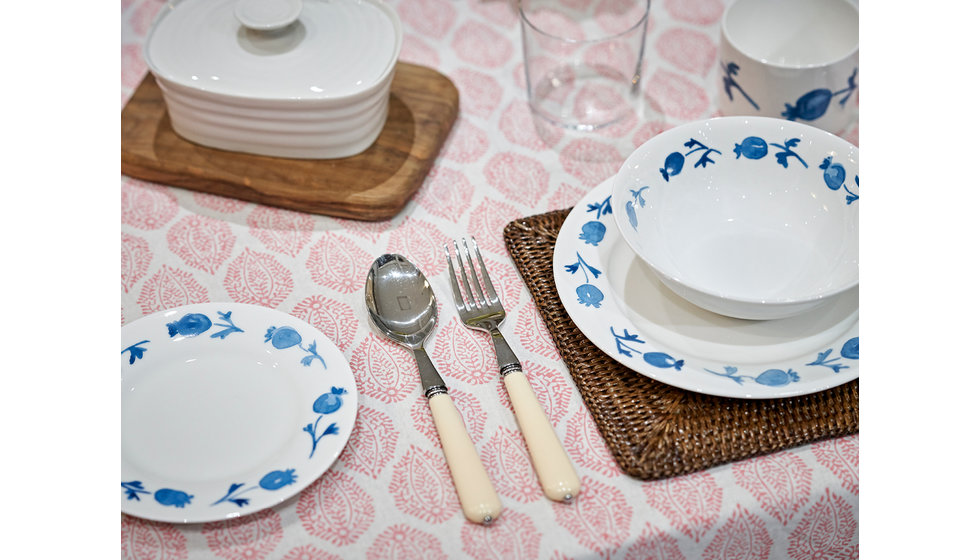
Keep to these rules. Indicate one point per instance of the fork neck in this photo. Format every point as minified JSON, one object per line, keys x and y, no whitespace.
{"x":506,"y":359}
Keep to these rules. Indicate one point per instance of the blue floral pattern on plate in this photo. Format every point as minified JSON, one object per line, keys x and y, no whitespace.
{"x":214,"y":334}
{"x":581,"y":260}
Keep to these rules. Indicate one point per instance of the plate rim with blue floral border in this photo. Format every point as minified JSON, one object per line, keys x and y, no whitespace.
{"x":294,"y":372}
{"x":584,"y":247}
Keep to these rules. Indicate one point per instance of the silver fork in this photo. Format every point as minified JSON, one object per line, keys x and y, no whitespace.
{"x":481,"y":309}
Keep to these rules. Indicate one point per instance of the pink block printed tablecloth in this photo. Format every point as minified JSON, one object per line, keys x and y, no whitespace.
{"x":390,"y":495}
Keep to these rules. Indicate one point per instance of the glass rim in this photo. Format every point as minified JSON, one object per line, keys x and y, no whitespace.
{"x":630,"y":29}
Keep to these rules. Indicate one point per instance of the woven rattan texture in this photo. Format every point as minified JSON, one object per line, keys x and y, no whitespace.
{"x":655,"y":430}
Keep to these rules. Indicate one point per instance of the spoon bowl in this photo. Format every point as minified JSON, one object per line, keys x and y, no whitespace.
{"x":406,"y":310}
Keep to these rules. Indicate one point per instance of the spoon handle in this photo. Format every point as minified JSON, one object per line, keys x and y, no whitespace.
{"x":551,"y":463}
{"x":476,"y":493}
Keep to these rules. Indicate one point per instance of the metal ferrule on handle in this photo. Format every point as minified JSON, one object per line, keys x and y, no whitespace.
{"x":506,"y":359}
{"x":432,"y":382}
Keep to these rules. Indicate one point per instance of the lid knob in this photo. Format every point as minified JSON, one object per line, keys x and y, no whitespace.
{"x":267,"y":15}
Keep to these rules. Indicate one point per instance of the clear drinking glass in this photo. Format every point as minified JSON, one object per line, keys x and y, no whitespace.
{"x":583,"y":59}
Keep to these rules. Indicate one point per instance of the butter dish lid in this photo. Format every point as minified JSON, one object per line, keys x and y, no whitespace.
{"x":275,"y":49}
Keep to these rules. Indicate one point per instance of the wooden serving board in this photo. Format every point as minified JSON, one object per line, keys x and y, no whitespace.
{"x":373,"y":185}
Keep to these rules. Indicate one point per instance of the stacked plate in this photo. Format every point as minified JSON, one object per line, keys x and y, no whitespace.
{"x":623,"y":306}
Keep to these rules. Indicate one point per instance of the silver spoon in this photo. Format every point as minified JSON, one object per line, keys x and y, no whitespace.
{"x":402,"y":306}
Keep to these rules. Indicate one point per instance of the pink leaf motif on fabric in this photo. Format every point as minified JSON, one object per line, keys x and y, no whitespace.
{"x":678,"y":96}
{"x":338,"y":264}
{"x":335,"y":319}
{"x":591,"y":161}
{"x":481,"y":45}
{"x":467,"y":143}
{"x":654,"y":544}
{"x":517,"y":177}
{"x":599,"y":518}
{"x":479,"y":93}
{"x":170,"y":287}
{"x":254,"y":536}
{"x":840,"y":456}
{"x":259,"y":279}
{"x":648,"y":131}
{"x":487,"y":220}
{"x":509,"y":466}
{"x":422,"y":242}
{"x":566,"y":196}
{"x":383,"y":370}
{"x":512,"y":537}
{"x":585,"y":445}
{"x":533,"y":333}
{"x":133,"y":65}
{"x":335,"y":508}
{"x":500,"y":13}
{"x":691,"y":502}
{"x":742,"y":536}
{"x":400,"y":542}
{"x":147,"y":206}
{"x":309,"y":552}
{"x":422,"y":487}
{"x":417,"y":51}
{"x":827,"y":530}
{"x":444,"y":192}
{"x":147,"y":540}
{"x":689,"y":50}
{"x":462,"y":353}
{"x":517,"y":125}
{"x":222,"y":204}
{"x":201,"y":242}
{"x":135,"y":260}
{"x":431,"y":18}
{"x":372,"y":443}
{"x":281,"y":231}
{"x":700,"y":12}
{"x":469,"y":408}
{"x":781,"y":483}
{"x":553,"y":394}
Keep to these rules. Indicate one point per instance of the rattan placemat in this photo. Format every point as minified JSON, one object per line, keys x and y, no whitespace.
{"x":655,"y":430}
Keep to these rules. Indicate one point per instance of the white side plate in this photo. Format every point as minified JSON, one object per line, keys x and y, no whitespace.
{"x":227,"y":409}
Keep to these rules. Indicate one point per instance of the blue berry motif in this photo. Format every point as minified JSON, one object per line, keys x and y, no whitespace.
{"x":191,"y":324}
{"x":626,"y":344}
{"x":594,"y":232}
{"x":752,"y":147}
{"x":170,"y":497}
{"x":770,"y":377}
{"x":834,"y":176}
{"x":675,"y":161}
{"x":287,"y":337}
{"x":850,"y":349}
{"x":813,"y":104}
{"x":588,"y":294}
{"x":325,"y":404}
{"x":661,"y":360}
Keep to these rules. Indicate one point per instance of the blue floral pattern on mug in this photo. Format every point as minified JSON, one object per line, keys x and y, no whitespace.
{"x":814,"y":104}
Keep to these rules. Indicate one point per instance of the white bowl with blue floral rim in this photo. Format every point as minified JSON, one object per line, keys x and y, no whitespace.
{"x":227,"y":409}
{"x":749,"y":217}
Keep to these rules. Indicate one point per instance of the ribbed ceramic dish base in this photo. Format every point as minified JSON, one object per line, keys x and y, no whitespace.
{"x":655,"y":430}
{"x":373,"y":185}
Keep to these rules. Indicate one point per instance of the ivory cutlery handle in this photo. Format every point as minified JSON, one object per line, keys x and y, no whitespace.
{"x":551,"y":463}
{"x":473,"y":486}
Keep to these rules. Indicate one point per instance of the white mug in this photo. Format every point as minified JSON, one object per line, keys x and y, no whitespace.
{"x":791,"y":59}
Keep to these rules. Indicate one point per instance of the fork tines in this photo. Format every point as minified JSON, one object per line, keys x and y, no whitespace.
{"x":476,"y":296}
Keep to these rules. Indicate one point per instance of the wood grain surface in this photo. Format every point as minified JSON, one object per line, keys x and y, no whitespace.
{"x":373,"y":185}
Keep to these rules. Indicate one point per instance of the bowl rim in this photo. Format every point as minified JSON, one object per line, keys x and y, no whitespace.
{"x":681,"y":130}
{"x":383,"y":78}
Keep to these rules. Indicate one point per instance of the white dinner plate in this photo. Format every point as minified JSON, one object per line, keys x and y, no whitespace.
{"x":227,"y":409}
{"x":619,"y":304}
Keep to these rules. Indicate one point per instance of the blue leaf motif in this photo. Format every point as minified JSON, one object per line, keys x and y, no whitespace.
{"x":135,"y":351}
